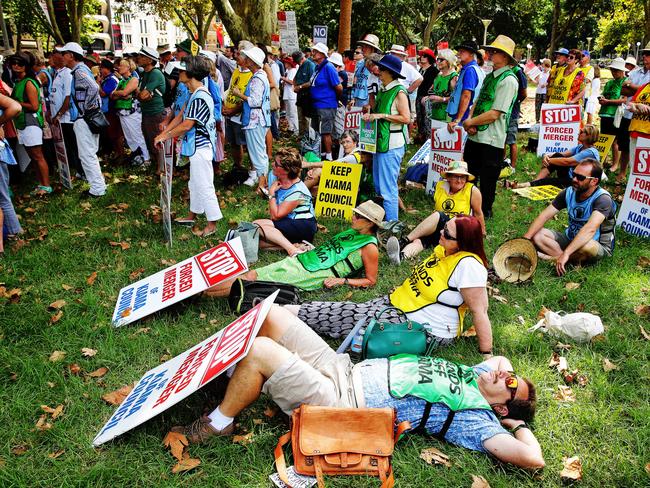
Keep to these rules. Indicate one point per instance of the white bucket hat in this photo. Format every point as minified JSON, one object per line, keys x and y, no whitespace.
{"x":336,"y":59}
{"x":256,"y":55}
{"x":397,"y":49}
{"x":72,"y":47}
{"x":619,"y":64}
{"x":321,"y":48}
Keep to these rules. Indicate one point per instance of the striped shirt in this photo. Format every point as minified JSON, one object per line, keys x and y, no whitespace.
{"x":199,"y":111}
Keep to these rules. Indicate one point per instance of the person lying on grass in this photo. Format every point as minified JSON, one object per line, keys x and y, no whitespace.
{"x":592,"y":219}
{"x":486,"y":411}
{"x":330,"y":264}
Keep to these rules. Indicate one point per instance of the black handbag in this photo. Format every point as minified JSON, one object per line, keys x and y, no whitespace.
{"x":385,"y":339}
{"x":96,"y":120}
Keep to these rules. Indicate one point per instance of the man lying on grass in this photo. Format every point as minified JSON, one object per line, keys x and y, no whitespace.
{"x":468,"y":406}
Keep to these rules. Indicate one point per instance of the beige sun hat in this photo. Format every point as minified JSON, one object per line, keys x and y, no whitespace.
{"x":458,"y":168}
{"x":516,"y":260}
{"x":336,"y":59}
{"x":370,"y":40}
{"x":619,"y":64}
{"x":371,"y":211}
{"x":630,"y":60}
{"x":504,"y":44}
{"x":321,"y":48}
{"x":398,"y":50}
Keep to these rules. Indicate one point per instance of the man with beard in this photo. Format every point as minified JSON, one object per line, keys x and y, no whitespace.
{"x":592,"y":218}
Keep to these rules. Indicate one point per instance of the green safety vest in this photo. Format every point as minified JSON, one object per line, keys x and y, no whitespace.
{"x":124,"y":103}
{"x":20,"y":122}
{"x":337,"y":249}
{"x":435,"y":380}
{"x":441,"y":89}
{"x":612,"y":91}
{"x":488,"y":93}
{"x":383,"y":103}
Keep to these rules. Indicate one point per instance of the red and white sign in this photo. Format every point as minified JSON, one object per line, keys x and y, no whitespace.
{"x":634,"y":217}
{"x":179,"y":282}
{"x":175,"y":380}
{"x":445,"y":148}
{"x":532,"y":71}
{"x":412,"y":58}
{"x":559,"y":128}
{"x":352,"y":119}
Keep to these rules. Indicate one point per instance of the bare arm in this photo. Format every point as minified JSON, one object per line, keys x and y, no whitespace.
{"x":477,"y":301}
{"x":522,"y":449}
{"x":370,"y":258}
{"x":483,"y":119}
{"x":175,"y":131}
{"x":476,"y":202}
{"x":403,"y":115}
{"x":583,"y":237}
{"x":31,"y":105}
{"x":547,"y":214}
{"x":10,"y":108}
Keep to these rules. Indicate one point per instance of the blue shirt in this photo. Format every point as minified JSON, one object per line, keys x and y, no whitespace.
{"x":108,"y":86}
{"x":305,"y":72}
{"x":469,"y":429}
{"x":360,"y":87}
{"x":467,"y":80}
{"x":580,"y":154}
{"x":322,"y":87}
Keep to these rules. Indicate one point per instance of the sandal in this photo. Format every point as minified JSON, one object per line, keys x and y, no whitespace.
{"x":184,"y":221}
{"x":41,"y":191}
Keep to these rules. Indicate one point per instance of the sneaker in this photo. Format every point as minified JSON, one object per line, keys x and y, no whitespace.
{"x":252,"y":179}
{"x":201,"y":430}
{"x":393,"y":250}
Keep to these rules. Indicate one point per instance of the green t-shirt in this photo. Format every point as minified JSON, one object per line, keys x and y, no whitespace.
{"x":153,"y":81}
{"x":441,"y":88}
{"x":612,"y":91}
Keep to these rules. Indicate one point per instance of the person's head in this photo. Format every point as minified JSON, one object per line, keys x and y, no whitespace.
{"x":106,"y":67}
{"x":253,"y":58}
{"x":546,"y":64}
{"x":574,"y":57}
{"x":287,"y":163}
{"x":372,"y":63}
{"x":457,"y":175}
{"x":367,"y":217}
{"x":618,"y":68}
{"x":319,"y":52}
{"x":125,"y":67}
{"x":589,"y":135}
{"x":288,"y":63}
{"x":349,"y":141}
{"x":229,"y":52}
{"x":196,"y":68}
{"x":147,"y":58}
{"x":39,"y":62}
{"x":185,"y":48}
{"x":22,"y":64}
{"x":358,"y":53}
{"x":446,"y":59}
{"x":165,"y":56}
{"x":586,"y":58}
{"x":390,"y":67}
{"x":463,"y":233}
{"x":509,"y":395}
{"x":369,"y":44}
{"x":586,"y":176}
{"x":561,"y":56}
{"x":427,"y":57}
{"x":266,"y":51}
{"x":298,"y":57}
{"x":239,"y":57}
{"x":398,"y":51}
{"x":56,"y":57}
{"x":348,"y":55}
{"x":645,"y":54}
{"x":467,"y":51}
{"x":501,"y":51}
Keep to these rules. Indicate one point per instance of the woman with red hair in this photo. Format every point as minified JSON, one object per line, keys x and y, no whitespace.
{"x":437,"y":294}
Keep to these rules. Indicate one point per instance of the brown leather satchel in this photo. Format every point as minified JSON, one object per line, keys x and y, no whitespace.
{"x":341,"y":441}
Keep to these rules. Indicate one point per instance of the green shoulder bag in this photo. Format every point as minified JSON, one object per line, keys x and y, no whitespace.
{"x":385,"y":339}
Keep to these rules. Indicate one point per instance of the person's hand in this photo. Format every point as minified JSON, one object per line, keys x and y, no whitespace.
{"x":159,"y":140}
{"x":560,"y":263}
{"x":274,"y":187}
{"x":236,"y":91}
{"x":451,"y":126}
{"x":366,"y":108}
{"x":511,"y":423}
{"x":424,"y":101}
{"x":218,"y":126}
{"x":350,"y":105}
{"x":546,"y":161}
{"x":145,"y":95}
{"x":333,"y":282}
{"x":162,"y":126}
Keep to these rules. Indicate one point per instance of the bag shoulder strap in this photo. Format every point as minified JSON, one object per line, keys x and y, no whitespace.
{"x":280,"y":465}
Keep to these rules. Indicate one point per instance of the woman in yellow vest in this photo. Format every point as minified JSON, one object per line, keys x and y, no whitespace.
{"x":569,"y":82}
{"x":454,"y":195}
{"x":640,"y":124}
{"x":437,"y":294}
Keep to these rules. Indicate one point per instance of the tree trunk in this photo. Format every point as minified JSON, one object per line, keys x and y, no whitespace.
{"x":646,"y":24}
{"x":3,"y":26}
{"x":436,"y":11}
{"x":56,"y":32}
{"x":253,"y":20}
{"x":555,"y":26}
{"x":345,"y":25}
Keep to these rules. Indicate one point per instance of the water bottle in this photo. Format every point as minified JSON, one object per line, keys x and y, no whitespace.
{"x":357,"y":343}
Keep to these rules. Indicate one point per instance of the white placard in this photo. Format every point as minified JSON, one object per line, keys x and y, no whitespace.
{"x":179,"y":282}
{"x":320,"y":34}
{"x":288,"y":32}
{"x":296,"y":480}
{"x":445,"y":148}
{"x":422,"y":155}
{"x":559,"y":128}
{"x":634,"y":216}
{"x":176,"y":379}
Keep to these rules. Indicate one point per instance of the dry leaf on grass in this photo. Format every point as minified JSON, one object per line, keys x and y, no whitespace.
{"x":243,"y":439}
{"x":54,"y":412}
{"x":98,"y":373}
{"x":176,"y":442}
{"x":572,"y":469}
{"x":134,"y":274}
{"x":564,"y":394}
{"x":258,"y":421}
{"x":186,"y":464}
{"x":322,"y":229}
{"x":479,"y":482}
{"x":644,"y":333}
{"x":91,"y":279}
{"x":124,"y":245}
{"x":642,"y":310}
{"x":42,"y":424}
{"x":643,"y":262}
{"x":572,"y":286}
{"x":19,"y":450}
{"x":347,"y":296}
{"x":56,"y":305}
{"x":117,"y":397}
{"x":608,"y":365}
{"x":78,"y":234}
{"x":74,"y":369}
{"x":500,"y":298}
{"x":558,"y":362}
{"x":431,"y":455}
{"x":562,"y":347}
{"x":56,"y":317}
{"x":471,"y":332}
{"x":142,"y":330}
{"x":88,"y":352}
{"x":67,"y":287}
{"x":56,"y":454}
{"x":271,"y":412}
{"x":57,"y":356}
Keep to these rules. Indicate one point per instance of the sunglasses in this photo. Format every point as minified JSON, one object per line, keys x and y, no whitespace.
{"x":571,"y":57}
{"x":358,"y":52}
{"x":583,"y":177}
{"x":440,"y":60}
{"x":16,"y":62}
{"x":447,"y":235}
{"x":512,"y":383}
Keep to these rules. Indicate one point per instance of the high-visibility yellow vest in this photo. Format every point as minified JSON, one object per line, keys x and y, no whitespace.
{"x":457,"y":204}
{"x":559,"y":92}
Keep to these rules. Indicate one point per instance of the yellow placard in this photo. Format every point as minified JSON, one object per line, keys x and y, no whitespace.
{"x":544,"y":192}
{"x":603,"y":145}
{"x":337,"y":189}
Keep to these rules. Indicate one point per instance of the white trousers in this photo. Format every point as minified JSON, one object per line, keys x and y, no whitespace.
{"x":292,"y":115}
{"x":203,"y":198}
{"x":88,"y":145}
{"x":132,"y":128}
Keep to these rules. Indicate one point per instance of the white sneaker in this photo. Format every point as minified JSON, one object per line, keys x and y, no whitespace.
{"x":252,"y":179}
{"x":393,"y":250}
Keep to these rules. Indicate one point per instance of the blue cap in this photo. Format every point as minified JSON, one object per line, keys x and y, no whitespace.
{"x":586,"y":53}
{"x":563,"y":51}
{"x":391,"y":63}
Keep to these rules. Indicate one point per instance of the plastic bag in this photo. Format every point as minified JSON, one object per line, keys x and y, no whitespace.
{"x":581,"y":326}
{"x":618,"y":116}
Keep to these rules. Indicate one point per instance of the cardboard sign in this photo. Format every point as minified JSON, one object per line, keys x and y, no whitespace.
{"x":176,"y":379}
{"x":166,"y":189}
{"x":179,"y":282}
{"x":61,"y":154}
{"x":603,"y":145}
{"x":320,"y":34}
{"x":559,"y":128}
{"x":352,"y":120}
{"x":368,"y":136}
{"x":288,"y":31}
{"x":337,"y":189}
{"x":445,"y":148}
{"x":634,"y":216}
{"x":544,"y":192}
{"x":422,"y":154}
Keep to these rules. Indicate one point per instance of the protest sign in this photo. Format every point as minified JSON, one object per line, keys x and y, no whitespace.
{"x":352,"y":119}
{"x":166,"y":188}
{"x":634,"y":216}
{"x":532,"y":71}
{"x":337,"y":189}
{"x":445,"y":148}
{"x":412,"y":57}
{"x":559,"y":128}
{"x":422,"y":155}
{"x":61,"y":154}
{"x":368,"y":136}
{"x":179,"y":281}
{"x":320,"y":34}
{"x":176,"y":379}
{"x":543,"y":192}
{"x":603,"y":145}
{"x":288,"y":31}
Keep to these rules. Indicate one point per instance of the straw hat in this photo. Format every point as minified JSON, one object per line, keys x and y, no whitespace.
{"x":619,"y":64}
{"x":504,"y":44}
{"x":398,"y":50}
{"x":516,"y":260}
{"x":370,"y":40}
{"x":458,"y":168}
{"x":371,"y":211}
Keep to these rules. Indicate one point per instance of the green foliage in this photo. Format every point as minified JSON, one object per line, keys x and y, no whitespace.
{"x":622,"y":26}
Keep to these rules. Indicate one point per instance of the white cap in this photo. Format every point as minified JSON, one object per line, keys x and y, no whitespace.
{"x":256,"y":55}
{"x":336,"y":59}
{"x":72,"y":47}
{"x":630,"y":60}
{"x":321,"y":48}
{"x":208,"y":54}
{"x":172,"y":65}
{"x":149,"y":52}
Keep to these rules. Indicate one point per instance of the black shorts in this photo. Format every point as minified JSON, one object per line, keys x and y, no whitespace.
{"x":297,"y":230}
{"x":432,"y":240}
{"x":623,"y":135}
{"x":607,"y":126}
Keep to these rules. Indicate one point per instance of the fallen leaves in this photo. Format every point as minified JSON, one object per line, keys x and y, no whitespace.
{"x":118,"y":396}
{"x":644,"y":333}
{"x":243,"y":440}
{"x":479,"y":482}
{"x":56,"y":454}
{"x":56,"y":305}
{"x":572,"y":286}
{"x":178,"y":444}
{"x":42,"y":424}
{"x":91,"y":279}
{"x":74,"y":369}
{"x":608,"y":365}
{"x":88,"y":352}
{"x":124,"y":245}
{"x":186,"y":464}
{"x":67,"y":287}
{"x":572,"y":470}
{"x":134,"y":274}
{"x":57,"y":356}
{"x":558,"y":362}
{"x":56,"y":317}
{"x":471,"y":332}
{"x":642,"y":310}
{"x":98,"y":373}
{"x":643,"y":262}
{"x":19,"y":450}
{"x":12,"y":295}
{"x":564,"y":394}
{"x":431,"y":455}
{"x":54,"y":412}
{"x":271,"y":412}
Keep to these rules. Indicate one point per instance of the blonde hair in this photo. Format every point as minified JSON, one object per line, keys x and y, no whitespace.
{"x":592,"y":133}
{"x":449,"y":56}
{"x":127,"y":62}
{"x":546,"y":63}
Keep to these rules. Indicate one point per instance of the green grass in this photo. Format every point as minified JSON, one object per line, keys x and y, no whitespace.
{"x":607,"y":427}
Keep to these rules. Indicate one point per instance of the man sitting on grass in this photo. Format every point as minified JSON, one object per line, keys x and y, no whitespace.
{"x":592,"y":218}
{"x":468,"y":406}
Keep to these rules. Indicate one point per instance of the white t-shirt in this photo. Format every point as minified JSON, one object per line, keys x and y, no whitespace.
{"x":60,"y":89}
{"x":373,"y":84}
{"x":443,"y":321}
{"x":410,"y":74}
{"x":287,"y":91}
{"x":542,"y":82}
{"x":275,"y":69}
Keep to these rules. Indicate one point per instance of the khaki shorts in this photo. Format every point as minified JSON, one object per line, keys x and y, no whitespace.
{"x":563,"y":241}
{"x":315,"y":375}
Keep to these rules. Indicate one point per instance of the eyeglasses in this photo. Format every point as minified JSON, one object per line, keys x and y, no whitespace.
{"x":358,"y":52}
{"x":512,"y":382}
{"x":16,"y":62}
{"x":447,"y":235}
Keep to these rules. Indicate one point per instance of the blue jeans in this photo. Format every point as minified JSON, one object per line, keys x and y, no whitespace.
{"x":256,"y":145}
{"x":11,"y":223}
{"x":385,"y":171}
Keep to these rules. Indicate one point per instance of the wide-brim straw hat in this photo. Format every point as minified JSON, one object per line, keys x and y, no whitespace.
{"x":458,"y":168}
{"x":504,"y":44}
{"x":371,"y":211}
{"x":619,"y":64}
{"x":370,"y":40}
{"x":516,"y":260}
